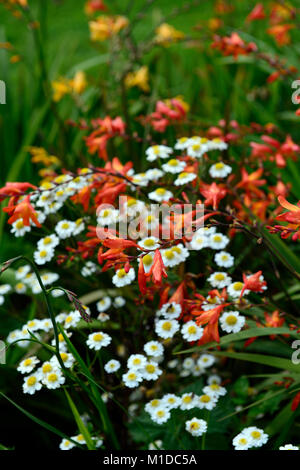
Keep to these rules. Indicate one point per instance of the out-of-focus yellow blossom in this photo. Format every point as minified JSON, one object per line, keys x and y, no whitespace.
{"x":140,"y":78}
{"x":40,"y":155}
{"x":79,"y":82}
{"x":15,"y":58}
{"x":167,"y":34}
{"x":214,"y":24}
{"x":23,"y":3}
{"x":105,"y":27}
{"x":92,"y":6}
{"x":65,"y":86}
{"x":6,"y":45}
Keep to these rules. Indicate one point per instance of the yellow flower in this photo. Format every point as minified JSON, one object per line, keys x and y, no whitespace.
{"x":39,"y":155}
{"x":79,"y":82}
{"x":140,"y":78}
{"x":61,"y":88}
{"x":167,"y":34}
{"x":105,"y":27}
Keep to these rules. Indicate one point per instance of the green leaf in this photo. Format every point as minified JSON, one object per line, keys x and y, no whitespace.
{"x":81,"y":426}
{"x":40,"y":422}
{"x":271,"y":361}
{"x":242,"y":335}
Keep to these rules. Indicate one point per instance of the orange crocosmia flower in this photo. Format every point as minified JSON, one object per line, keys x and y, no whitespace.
{"x":105,"y":27}
{"x":233,"y":45}
{"x":142,"y":280}
{"x":213,"y":194}
{"x":22,"y":210}
{"x":92,"y":6}
{"x":157,"y":270}
{"x":253,"y":283}
{"x":250,"y":181}
{"x":275,"y":150}
{"x":105,"y":129}
{"x":211,"y":318}
{"x":14,"y":189}
{"x":274,"y":320}
{"x":257,"y":13}
{"x":293,"y":214}
{"x":281,"y":33}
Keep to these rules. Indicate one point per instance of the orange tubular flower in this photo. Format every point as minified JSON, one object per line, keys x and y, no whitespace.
{"x":293,"y":214}
{"x":23,"y":210}
{"x":233,"y":45}
{"x":14,"y":189}
{"x":157,"y":270}
{"x":257,"y":13}
{"x":253,"y":283}
{"x":105,"y":129}
{"x":213,"y":194}
{"x":250,"y":181}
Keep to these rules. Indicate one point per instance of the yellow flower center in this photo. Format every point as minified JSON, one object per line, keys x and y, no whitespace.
{"x":131,"y":202}
{"x":131,"y":376}
{"x":98,"y":337}
{"x":231,"y":320}
{"x":219,"y":166}
{"x":27,"y":362}
{"x":147,"y":260}
{"x":52,"y":378}
{"x":205,"y":398}
{"x":169,"y":254}
{"x":219,"y":277}
{"x":43,"y":253}
{"x":173,"y":162}
{"x":167,"y":326}
{"x":187,"y":399}
{"x":46,"y":368}
{"x":149,"y":242}
{"x":217,"y":238}
{"x":192,"y":330}
{"x":121,"y":273}
{"x":255,"y":434}
{"x":150,"y":368}
{"x":238,"y":286}
{"x":31,"y":381}
{"x":64,"y":356}
{"x":194,"y":425}
{"x":160,"y":191}
{"x":19,"y":224}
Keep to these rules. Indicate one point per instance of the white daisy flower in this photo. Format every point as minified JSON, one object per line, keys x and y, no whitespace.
{"x":88,"y":269}
{"x":184,"y":178}
{"x":19,"y":228}
{"x":67,"y":359}
{"x":149,"y":243}
{"x":214,"y":380}
{"x":232,"y":322}
{"x":121,"y":278}
{"x":119,"y":301}
{"x":174,"y":166}
{"x":103,"y":304}
{"x":107,"y":217}
{"x":206,"y":360}
{"x":188,"y":363}
{"x":257,"y":436}
{"x":218,"y":241}
{"x":220,"y":170}
{"x":66,"y":445}
{"x":46,"y":324}
{"x":79,"y":438}
{"x":151,"y":371}
{"x":158,"y":151}
{"x":241,"y":442}
{"x":154,"y":174}
{"x":112,"y":366}
{"x":219,"y":280}
{"x":182,"y":143}
{"x":154,"y":349}
{"x":160,"y":195}
{"x":288,"y":447}
{"x":4,"y":289}
{"x":191,"y":331}
{"x":188,"y":401}
{"x":98,"y":340}
{"x":132,"y":378}
{"x":103,"y":317}
{"x":31,"y":384}
{"x":22,"y":271}
{"x":196,"y":427}
{"x":217,"y":144}
{"x":28,"y":364}
{"x":197,"y":149}
{"x":224,"y":259}
{"x":235,"y":289}
{"x":170,"y":311}
{"x":20,"y":288}
{"x":215,"y":389}
{"x":207,"y":401}
{"x":171,"y":401}
{"x":132,"y":207}
{"x":166,"y":328}
{"x":199,"y":241}
{"x":161,"y":415}
{"x":54,"y":380}
{"x":43,"y":256}
{"x":153,"y":405}
{"x":51,"y":241}
{"x":170,"y":257}
{"x":140,"y":179}
{"x":32,"y":325}
{"x":72,"y":319}
{"x":65,"y":228}
{"x":136,"y":361}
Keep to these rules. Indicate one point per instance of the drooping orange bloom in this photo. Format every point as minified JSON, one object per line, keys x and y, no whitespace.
{"x":22,"y":210}
{"x":258,"y":13}
{"x":14,"y":189}
{"x":254,"y":283}
{"x":233,"y":45}
{"x":157,"y":270}
{"x":274,"y":150}
{"x":105,"y":129}
{"x":293,"y":214}
{"x":251,"y":181}
{"x":166,"y":113}
{"x":213,"y":194}
{"x":280,"y":32}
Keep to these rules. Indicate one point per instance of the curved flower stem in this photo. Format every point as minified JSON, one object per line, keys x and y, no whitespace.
{"x":47,"y":298}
